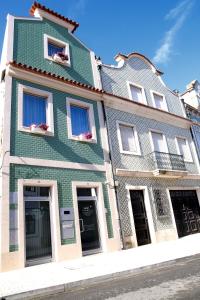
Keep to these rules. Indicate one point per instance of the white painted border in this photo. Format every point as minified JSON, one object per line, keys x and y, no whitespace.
{"x":129,"y":83}
{"x":178,"y":188}
{"x":59,"y":164}
{"x":138,"y":152}
{"x":188,"y":147}
{"x":83,"y":104}
{"x":101,"y":211}
{"x":54,"y":215}
{"x":152,"y":92}
{"x":95,"y":71}
{"x":164,"y":138}
{"x":147,"y":208}
{"x":49,"y":109}
{"x":48,"y":38}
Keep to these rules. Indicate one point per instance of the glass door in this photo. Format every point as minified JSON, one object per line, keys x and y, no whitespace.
{"x":38,"y":230}
{"x":88,"y":226}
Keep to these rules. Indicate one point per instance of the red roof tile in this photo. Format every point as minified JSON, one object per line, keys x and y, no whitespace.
{"x":54,"y":76}
{"x":55,"y":14}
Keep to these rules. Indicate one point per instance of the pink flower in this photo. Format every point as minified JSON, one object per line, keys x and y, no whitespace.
{"x":88,"y":135}
{"x":63,"y":56}
{"x":43,"y":126}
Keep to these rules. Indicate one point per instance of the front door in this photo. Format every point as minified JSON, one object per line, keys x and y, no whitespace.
{"x":140,"y":217}
{"x":38,"y":232}
{"x":186,"y":212}
{"x":88,"y":226}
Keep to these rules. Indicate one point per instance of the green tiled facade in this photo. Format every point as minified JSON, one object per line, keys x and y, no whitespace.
{"x":64,"y":178}
{"x":57,"y":147}
{"x":29,"y":49}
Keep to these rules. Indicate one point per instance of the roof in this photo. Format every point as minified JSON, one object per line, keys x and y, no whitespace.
{"x":54,"y":76}
{"x":140,"y":55}
{"x":36,"y":5}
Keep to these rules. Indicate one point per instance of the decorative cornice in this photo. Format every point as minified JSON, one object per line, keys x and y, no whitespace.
{"x":37,"y":5}
{"x":130,"y":55}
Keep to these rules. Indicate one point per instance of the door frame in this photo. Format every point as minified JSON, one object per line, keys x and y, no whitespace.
{"x":178,"y":188}
{"x":53,"y":212}
{"x":147,"y":208}
{"x":101,"y":212}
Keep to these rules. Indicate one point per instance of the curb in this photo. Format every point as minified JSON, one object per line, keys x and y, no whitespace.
{"x":76,"y":285}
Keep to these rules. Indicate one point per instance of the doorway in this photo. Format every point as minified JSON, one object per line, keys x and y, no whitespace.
{"x":186,"y":211}
{"x":140,"y":217}
{"x":37,"y":225}
{"x":88,"y":221}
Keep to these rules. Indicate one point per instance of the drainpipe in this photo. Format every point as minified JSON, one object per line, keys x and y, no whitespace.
{"x":117,"y":202}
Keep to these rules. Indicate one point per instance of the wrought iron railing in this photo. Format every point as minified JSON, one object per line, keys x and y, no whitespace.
{"x":166,"y":161}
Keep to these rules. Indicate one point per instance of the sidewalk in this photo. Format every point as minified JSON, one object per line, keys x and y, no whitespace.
{"x":57,"y":277}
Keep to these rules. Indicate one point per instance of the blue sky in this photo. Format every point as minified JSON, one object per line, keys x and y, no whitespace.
{"x":167,"y":32}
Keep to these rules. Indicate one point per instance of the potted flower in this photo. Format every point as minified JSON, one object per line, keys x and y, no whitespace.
{"x":60,"y":57}
{"x":85,"y":136}
{"x":41,"y":128}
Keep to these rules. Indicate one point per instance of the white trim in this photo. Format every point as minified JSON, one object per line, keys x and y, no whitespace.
{"x":39,"y":13}
{"x":71,"y":101}
{"x":166,"y":150}
{"x":101,"y":211}
{"x":49,"y":107}
{"x":129,"y":83}
{"x":147,"y":208}
{"x":95,"y":71}
{"x":188,"y":147}
{"x":59,"y":43}
{"x":152,"y":92}
{"x":55,"y":164}
{"x":7,"y":50}
{"x":54,"y":215}
{"x":178,"y":188}
{"x":138,"y":152}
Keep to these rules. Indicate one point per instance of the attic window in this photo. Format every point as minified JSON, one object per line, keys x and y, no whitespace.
{"x":56,"y":50}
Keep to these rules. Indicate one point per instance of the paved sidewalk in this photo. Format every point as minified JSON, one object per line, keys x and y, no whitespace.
{"x":57,"y":277}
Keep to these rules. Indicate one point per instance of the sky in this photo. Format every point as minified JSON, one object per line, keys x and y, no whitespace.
{"x":165,"y":31}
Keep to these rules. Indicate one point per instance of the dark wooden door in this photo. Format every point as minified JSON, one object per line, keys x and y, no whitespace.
{"x":140,"y":217}
{"x":186,"y":212}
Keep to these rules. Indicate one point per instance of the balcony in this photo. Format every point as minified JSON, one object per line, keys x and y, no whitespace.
{"x":167,"y":164}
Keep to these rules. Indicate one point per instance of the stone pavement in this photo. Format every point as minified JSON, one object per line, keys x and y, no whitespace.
{"x":57,"y":277}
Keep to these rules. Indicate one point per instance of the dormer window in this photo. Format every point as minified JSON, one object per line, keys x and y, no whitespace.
{"x":56,"y":50}
{"x":136,"y":93}
{"x":159,"y":100}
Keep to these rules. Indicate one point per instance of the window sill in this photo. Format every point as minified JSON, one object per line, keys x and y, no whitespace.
{"x":67,"y":64}
{"x":76,"y":138}
{"x":131,"y":153}
{"x":37,"y":132}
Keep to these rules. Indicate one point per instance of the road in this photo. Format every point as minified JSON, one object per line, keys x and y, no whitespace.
{"x":177,"y":280}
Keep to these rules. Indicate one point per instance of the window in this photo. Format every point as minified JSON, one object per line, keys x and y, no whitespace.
{"x":136,"y":93}
{"x":56,"y":50}
{"x":184,"y":149}
{"x":35,"y":110}
{"x":128,"y":139}
{"x":80,"y":121}
{"x":159,"y":100}
{"x":159,"y":142}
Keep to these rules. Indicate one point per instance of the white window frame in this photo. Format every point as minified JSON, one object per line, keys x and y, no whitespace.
{"x":138,"y":152}
{"x":161,"y":95}
{"x":71,"y":101}
{"x":47,"y":39}
{"x":152,"y":143}
{"x":129,"y":83}
{"x":188,"y":146}
{"x":49,"y":108}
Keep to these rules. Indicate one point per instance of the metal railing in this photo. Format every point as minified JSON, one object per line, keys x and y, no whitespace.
{"x":166,"y":161}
